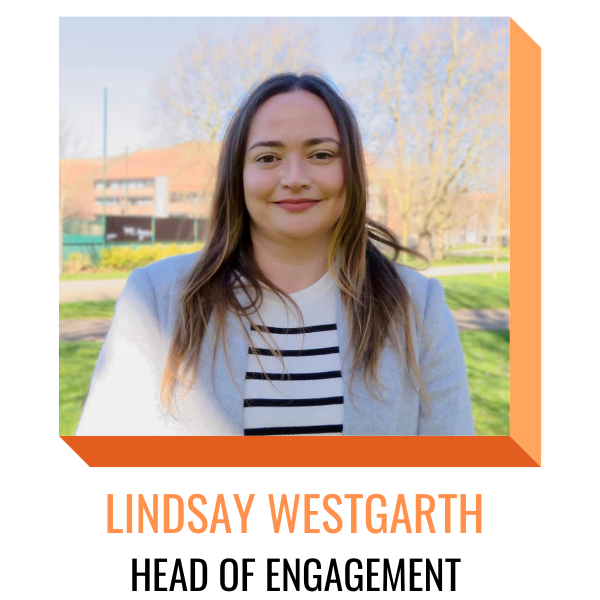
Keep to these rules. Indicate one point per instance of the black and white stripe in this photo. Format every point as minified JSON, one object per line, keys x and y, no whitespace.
{"x":299,"y":391}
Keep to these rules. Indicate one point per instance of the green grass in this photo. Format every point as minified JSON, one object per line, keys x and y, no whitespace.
{"x":462,"y":292}
{"x":453,"y":261}
{"x":477,"y":291}
{"x":478,"y":248}
{"x":96,"y":309}
{"x":76,"y":365}
{"x":487,"y":354}
{"x":93,"y":275}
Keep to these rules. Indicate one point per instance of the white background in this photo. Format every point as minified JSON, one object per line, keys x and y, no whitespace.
{"x":540,"y":525}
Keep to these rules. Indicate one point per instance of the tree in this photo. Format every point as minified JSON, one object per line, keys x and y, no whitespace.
{"x":443,"y":87}
{"x":69,"y":146}
{"x":195,"y":100}
{"x":209,"y":77}
{"x":501,"y":213}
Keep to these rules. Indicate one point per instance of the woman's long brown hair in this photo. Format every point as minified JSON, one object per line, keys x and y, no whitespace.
{"x":377,"y":304}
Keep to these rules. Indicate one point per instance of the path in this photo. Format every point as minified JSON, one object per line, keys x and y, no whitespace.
{"x":94,"y":330}
{"x":95,"y":289}
{"x":465,"y":269}
{"x":489,"y":318}
{"x":110,"y":289}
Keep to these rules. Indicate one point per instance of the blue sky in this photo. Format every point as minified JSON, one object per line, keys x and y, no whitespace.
{"x":127,"y":55}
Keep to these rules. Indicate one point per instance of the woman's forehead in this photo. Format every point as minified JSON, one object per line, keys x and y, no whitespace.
{"x":293,"y":116}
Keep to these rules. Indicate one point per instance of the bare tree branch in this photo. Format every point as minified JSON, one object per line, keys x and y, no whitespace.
{"x":443,"y":87}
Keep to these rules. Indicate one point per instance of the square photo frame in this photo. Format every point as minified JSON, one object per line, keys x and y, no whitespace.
{"x":522,"y":448}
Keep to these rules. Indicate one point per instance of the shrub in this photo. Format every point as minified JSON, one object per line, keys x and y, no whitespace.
{"x":127,"y":258}
{"x":77,"y":262}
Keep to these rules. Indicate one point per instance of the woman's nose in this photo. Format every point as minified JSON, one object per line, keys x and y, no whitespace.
{"x":295,"y":173}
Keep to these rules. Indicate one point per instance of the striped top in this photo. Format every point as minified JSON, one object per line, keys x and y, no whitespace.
{"x":300,"y":393}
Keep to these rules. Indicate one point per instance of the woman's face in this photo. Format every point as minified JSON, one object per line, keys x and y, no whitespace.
{"x":293,"y":173}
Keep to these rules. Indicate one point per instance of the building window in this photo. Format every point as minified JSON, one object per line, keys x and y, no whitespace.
{"x":190,"y":197}
{"x":122,"y":183}
{"x":183,"y":197}
{"x":140,"y":201}
{"x":139,"y":183}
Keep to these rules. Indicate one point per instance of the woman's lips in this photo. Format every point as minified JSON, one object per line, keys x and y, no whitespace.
{"x":297,"y":205}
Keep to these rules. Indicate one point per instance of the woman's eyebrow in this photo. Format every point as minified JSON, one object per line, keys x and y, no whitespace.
{"x":311,"y":142}
{"x":272,"y":144}
{"x":321,"y":140}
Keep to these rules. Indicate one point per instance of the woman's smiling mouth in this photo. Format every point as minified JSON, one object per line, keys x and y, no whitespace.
{"x":296,"y":204}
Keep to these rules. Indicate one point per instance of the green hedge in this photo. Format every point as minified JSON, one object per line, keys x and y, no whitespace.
{"x":77,"y":262}
{"x":127,"y":258}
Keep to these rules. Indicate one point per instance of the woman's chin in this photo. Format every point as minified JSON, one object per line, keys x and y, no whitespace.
{"x":299,"y":234}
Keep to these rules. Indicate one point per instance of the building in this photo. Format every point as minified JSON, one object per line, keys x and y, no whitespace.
{"x":475,"y":219}
{"x":164,"y":182}
{"x":178,"y":181}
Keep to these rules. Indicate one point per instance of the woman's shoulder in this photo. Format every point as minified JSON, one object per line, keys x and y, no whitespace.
{"x":160,"y":282}
{"x":428,"y":296}
{"x":418,"y":285}
{"x":171,"y":270}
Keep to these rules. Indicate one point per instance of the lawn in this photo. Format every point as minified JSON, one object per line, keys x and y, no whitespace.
{"x":477,"y":248}
{"x":411,"y":262}
{"x":477,"y":291}
{"x":96,"y":309}
{"x":94,"y":275}
{"x":76,"y":362}
{"x":462,"y":292}
{"x":486,"y":354}
{"x":452,"y":261}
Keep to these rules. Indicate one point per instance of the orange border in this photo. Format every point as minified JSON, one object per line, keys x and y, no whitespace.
{"x":220,"y":451}
{"x":521,"y":449}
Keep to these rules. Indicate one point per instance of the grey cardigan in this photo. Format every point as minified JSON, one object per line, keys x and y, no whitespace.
{"x":124,"y":391}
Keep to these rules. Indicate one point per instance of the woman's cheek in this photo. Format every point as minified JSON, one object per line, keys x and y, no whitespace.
{"x":258,"y":184}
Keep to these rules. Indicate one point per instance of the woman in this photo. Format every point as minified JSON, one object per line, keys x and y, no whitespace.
{"x":290,"y":321}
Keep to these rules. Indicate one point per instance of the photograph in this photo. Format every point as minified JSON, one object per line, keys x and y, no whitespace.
{"x":284,"y":227}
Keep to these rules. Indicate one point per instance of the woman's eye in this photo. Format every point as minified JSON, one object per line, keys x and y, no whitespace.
{"x":322,"y":155}
{"x":267,"y":159}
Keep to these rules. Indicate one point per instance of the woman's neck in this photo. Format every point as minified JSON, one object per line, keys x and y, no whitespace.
{"x":294,"y":266}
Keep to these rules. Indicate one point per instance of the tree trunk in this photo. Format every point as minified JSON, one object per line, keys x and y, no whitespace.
{"x":439,"y":245}
{"x":61,"y":212}
{"x":424,"y":244}
{"x":60,"y":244}
{"x":405,"y":238}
